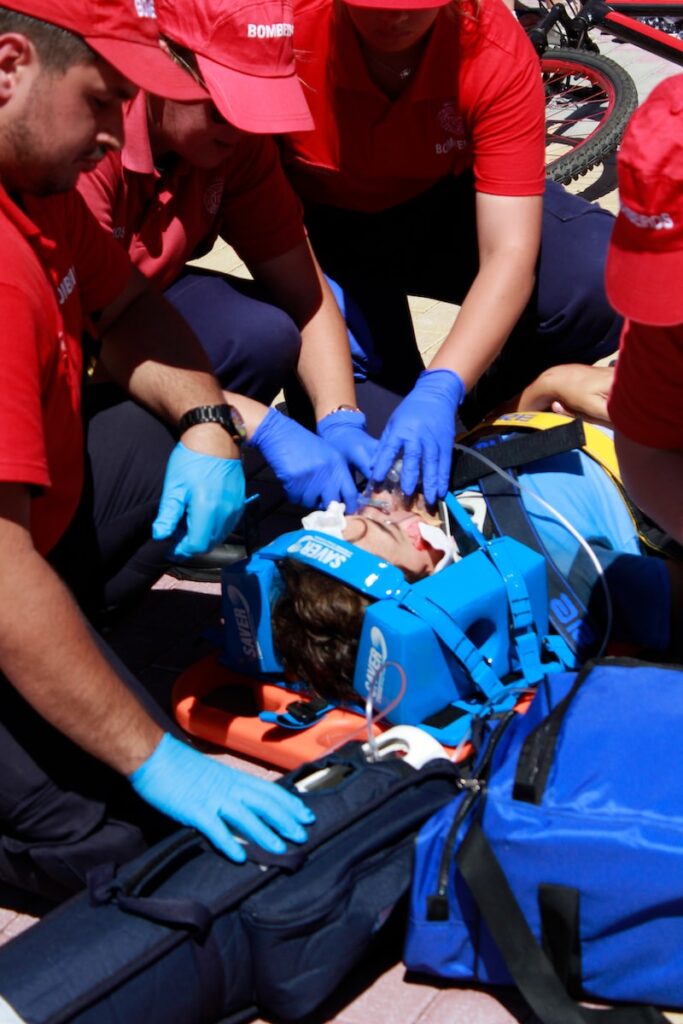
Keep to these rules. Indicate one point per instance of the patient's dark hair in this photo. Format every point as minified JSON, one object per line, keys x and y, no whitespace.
{"x":57,"y":48}
{"x":316,"y":628}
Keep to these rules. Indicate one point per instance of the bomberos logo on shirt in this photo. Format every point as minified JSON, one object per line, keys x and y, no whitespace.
{"x":213,"y":195}
{"x":450,"y":121}
{"x":658,"y":221}
{"x":66,"y":286}
{"x":145,"y":9}
{"x":273,"y":31}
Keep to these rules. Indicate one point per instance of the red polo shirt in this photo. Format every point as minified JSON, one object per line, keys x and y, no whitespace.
{"x":54,"y":269}
{"x":476,"y":101}
{"x":166,"y":217}
{"x":646,"y":403}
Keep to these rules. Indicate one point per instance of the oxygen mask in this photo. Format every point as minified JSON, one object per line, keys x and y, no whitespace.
{"x":386,"y":495}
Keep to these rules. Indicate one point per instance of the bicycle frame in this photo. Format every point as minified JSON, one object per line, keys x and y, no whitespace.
{"x":616,"y":20}
{"x":619,"y":19}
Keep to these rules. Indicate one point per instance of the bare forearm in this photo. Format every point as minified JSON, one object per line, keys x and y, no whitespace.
{"x":508,"y":235}
{"x":490,"y":310}
{"x":324,"y":367}
{"x":654,"y":479}
{"x":150,"y":351}
{"x":47,"y":653}
{"x":572,"y":388}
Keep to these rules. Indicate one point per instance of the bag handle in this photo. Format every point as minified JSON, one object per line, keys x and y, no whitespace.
{"x":530,"y":968}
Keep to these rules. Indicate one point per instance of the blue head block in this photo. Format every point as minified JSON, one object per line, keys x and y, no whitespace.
{"x":248,"y":590}
{"x":250,"y":587}
{"x":454,"y":635}
{"x":466,"y":604}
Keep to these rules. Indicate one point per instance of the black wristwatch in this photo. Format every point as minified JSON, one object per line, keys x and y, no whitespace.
{"x":226,"y":416}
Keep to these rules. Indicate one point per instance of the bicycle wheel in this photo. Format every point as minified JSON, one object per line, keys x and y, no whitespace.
{"x":588,"y":101}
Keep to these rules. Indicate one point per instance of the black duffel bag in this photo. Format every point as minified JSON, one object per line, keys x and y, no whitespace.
{"x":182,"y":935}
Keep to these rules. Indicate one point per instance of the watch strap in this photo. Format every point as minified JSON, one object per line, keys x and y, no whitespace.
{"x":224,"y":415}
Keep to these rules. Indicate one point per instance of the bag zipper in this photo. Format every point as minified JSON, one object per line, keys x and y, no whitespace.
{"x":437,"y":902}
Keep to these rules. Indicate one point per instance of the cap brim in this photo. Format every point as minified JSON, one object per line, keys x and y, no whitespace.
{"x":273,"y":105}
{"x":399,"y":5}
{"x":645,"y":286}
{"x":150,"y":68}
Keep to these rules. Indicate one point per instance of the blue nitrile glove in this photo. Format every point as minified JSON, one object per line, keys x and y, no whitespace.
{"x":209,"y":490}
{"x":312,"y":472}
{"x":197,"y":791}
{"x":345,"y":431}
{"x":422,"y":427}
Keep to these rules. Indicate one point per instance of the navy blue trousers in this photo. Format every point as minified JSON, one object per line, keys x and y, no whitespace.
{"x":107,"y":556}
{"x":428,"y":247}
{"x":253,"y":345}
{"x":62,"y":811}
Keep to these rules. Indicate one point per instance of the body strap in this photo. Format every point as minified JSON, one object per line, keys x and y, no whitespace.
{"x":530,"y":967}
{"x":542,"y":434}
{"x":570,"y":617}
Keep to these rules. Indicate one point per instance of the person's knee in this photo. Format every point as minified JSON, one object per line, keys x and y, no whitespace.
{"x":252,"y":344}
{"x":574,"y":241}
{"x":260,"y":355}
{"x":573,"y":310}
{"x":57,"y":870}
{"x":280,"y":344}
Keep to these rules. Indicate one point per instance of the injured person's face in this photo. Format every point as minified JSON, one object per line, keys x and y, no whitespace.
{"x":407,"y":535}
{"x":396,"y":538}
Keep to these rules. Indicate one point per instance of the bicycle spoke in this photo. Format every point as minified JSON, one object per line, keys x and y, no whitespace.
{"x":575,"y":109}
{"x":589,"y":99}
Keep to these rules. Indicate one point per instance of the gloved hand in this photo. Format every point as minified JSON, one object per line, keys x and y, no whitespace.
{"x":345,"y":431}
{"x":197,"y":791}
{"x":312,"y":472}
{"x":209,"y":490}
{"x":423,"y":428}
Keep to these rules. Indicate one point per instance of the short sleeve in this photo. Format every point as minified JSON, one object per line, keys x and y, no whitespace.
{"x":26,"y":332}
{"x":506,"y":113}
{"x":261,"y":216}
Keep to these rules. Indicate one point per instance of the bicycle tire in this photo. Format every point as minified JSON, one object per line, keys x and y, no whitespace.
{"x":589,"y":100}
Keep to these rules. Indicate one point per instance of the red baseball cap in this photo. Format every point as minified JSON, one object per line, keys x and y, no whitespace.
{"x":644,"y":275}
{"x":245,"y":55}
{"x":399,"y":5}
{"x":125,"y":33}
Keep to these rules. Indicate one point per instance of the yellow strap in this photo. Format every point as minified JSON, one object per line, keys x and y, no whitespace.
{"x":599,"y":445}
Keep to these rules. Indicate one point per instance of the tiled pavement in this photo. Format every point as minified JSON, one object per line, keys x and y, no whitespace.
{"x":167,"y":633}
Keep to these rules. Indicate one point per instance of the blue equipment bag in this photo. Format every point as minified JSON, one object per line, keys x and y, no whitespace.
{"x":184,"y":936}
{"x":560,"y":867}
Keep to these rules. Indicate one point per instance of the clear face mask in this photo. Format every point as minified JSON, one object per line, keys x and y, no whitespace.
{"x":386,"y":495}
